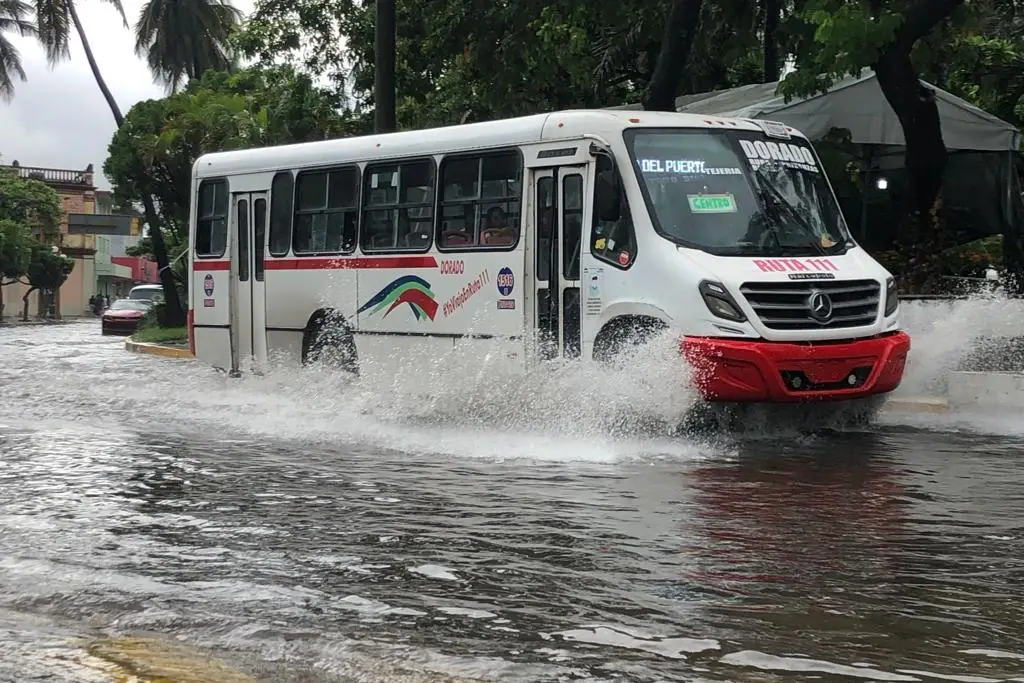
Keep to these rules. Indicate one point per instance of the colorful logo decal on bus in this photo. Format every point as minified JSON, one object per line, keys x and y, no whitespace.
{"x":208,"y":284}
{"x":407,"y":289}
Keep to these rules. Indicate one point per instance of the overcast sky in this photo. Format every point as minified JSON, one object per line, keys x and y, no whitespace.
{"x":58,"y":118}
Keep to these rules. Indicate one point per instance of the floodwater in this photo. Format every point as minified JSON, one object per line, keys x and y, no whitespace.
{"x":159,"y":519}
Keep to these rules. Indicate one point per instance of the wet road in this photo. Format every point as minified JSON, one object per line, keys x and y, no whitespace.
{"x":296,"y":529}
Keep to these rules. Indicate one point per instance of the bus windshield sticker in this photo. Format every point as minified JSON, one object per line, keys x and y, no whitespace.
{"x":712,"y":203}
{"x":684,"y":167}
{"x":788,"y":155}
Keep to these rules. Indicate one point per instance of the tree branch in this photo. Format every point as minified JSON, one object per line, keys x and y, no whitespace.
{"x":920,"y":18}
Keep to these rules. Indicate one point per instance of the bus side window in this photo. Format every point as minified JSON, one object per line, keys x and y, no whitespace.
{"x":398,"y":206}
{"x":281,"y":197}
{"x":545,"y":221}
{"x":326,"y":211}
{"x":481,"y":199}
{"x":613,"y":241}
{"x":572,"y":225}
{"x":212,"y":219}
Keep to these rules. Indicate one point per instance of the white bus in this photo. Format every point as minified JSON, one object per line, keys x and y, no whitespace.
{"x":561,"y":235}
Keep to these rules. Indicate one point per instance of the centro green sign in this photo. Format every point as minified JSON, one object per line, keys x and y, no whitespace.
{"x":712,"y":203}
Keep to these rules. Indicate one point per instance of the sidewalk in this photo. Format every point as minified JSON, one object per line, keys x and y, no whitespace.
{"x":922,"y":404}
{"x":164,"y":350}
{"x":11,"y":321}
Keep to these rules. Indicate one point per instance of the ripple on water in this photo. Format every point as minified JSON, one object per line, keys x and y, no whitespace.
{"x":308,"y":532}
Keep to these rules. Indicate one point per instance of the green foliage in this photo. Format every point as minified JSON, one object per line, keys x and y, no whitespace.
{"x":988,"y":71}
{"x":15,"y":251}
{"x":48,"y":270}
{"x":30,"y":203}
{"x":161,"y":335}
{"x":154,"y":328}
{"x":833,"y":39}
{"x":153,"y":316}
{"x":30,"y":216}
{"x":971,"y":259}
{"x":14,"y":18}
{"x":161,"y":139}
{"x":208,"y":25}
{"x":490,"y":60}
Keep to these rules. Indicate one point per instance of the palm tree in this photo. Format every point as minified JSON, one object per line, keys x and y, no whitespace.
{"x":181,"y":39}
{"x":13,"y":15}
{"x":203,"y":39}
{"x":53,"y":28}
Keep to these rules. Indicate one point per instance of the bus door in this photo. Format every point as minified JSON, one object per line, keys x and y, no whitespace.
{"x":556,"y":241}
{"x":248,"y":301}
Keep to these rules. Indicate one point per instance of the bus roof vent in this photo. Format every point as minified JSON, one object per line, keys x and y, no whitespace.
{"x":773,"y":129}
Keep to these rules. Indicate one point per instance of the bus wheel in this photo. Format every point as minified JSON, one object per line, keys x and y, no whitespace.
{"x":621,"y":334}
{"x":330,"y":344}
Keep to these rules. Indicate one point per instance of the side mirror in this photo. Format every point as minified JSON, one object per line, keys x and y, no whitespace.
{"x":608,"y":196}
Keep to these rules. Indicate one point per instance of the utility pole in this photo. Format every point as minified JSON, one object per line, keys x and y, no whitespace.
{"x":384,"y":68}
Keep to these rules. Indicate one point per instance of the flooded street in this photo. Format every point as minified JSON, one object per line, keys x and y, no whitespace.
{"x":292,"y":530}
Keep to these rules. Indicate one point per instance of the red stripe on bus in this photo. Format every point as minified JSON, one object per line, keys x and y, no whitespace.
{"x":330,"y":263}
{"x":348,"y":263}
{"x":211,"y":265}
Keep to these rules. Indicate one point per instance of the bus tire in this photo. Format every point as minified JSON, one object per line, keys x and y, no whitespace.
{"x":624,"y":332}
{"x":328,"y":341}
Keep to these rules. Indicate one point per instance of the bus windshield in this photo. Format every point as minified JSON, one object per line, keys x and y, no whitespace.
{"x":737,"y":193}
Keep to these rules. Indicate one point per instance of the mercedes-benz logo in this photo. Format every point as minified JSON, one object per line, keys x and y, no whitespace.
{"x":820,"y":305}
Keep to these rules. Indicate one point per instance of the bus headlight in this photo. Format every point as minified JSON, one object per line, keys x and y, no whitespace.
{"x":892,"y":297}
{"x":720,"y":302}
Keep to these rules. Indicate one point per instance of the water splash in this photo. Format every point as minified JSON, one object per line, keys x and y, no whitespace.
{"x":946,"y":333}
{"x":564,"y":410}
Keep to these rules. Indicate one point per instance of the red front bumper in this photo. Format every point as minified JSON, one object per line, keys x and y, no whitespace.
{"x":740,"y":371}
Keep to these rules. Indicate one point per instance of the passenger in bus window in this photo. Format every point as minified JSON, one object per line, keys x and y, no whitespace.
{"x":496,"y":231}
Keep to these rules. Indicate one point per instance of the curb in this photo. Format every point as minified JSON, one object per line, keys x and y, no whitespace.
{"x":152,"y":659}
{"x":918,"y":405}
{"x":158,"y":350}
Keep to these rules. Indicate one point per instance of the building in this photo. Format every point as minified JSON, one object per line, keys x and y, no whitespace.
{"x":94,"y":236}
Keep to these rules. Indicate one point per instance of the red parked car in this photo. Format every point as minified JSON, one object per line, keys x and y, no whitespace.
{"x":124,"y":315}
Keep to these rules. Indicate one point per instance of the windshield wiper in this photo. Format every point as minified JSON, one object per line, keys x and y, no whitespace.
{"x":770,"y":196}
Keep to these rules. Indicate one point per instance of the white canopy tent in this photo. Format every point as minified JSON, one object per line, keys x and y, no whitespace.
{"x":858,"y":105}
{"x":981,"y":188}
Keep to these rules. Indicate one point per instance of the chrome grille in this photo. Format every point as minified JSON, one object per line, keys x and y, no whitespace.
{"x":787,"y":305}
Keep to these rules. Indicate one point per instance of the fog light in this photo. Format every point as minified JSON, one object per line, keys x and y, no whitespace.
{"x":796,"y":382}
{"x":852,"y":379}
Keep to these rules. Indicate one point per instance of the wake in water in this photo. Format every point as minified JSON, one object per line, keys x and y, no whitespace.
{"x":561,"y":410}
{"x":647,"y":393}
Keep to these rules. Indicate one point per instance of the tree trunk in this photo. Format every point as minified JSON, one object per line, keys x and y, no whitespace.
{"x":925,"y":156}
{"x":174,"y":311}
{"x":24,"y":301}
{"x":384,"y":68}
{"x":107,"y":95}
{"x":680,"y":30}
{"x":771,"y":48}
